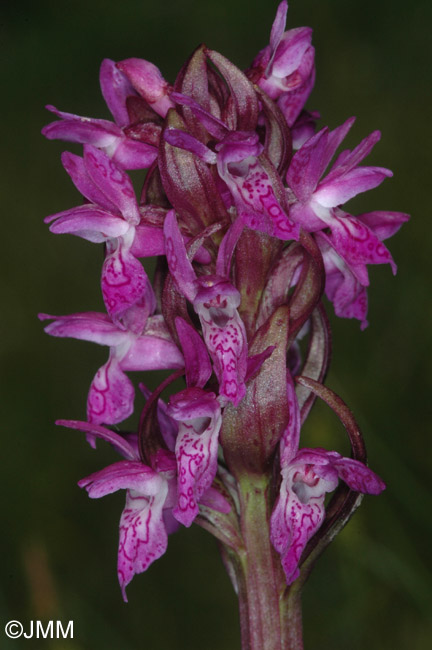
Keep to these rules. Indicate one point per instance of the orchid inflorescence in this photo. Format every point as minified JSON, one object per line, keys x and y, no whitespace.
{"x":242,"y":207}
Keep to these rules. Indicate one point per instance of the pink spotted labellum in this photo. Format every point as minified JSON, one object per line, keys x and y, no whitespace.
{"x":243,"y":208}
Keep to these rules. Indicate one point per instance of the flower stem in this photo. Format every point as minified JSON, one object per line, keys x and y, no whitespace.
{"x":269,"y":620}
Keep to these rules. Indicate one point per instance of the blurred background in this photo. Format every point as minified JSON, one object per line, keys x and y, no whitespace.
{"x":372,"y":588}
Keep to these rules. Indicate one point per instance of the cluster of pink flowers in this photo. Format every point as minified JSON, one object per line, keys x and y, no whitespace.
{"x":241,"y":205}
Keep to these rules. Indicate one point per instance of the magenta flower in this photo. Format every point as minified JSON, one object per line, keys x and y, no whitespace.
{"x":198,"y":414}
{"x":215,"y":300}
{"x":130,"y":148}
{"x":353,"y":242}
{"x":242,"y":207}
{"x":307,"y":475}
{"x":148,"y":82}
{"x":146,"y":519}
{"x":112,"y":217}
{"x":111,"y":394}
{"x":285,"y":69}
{"x":241,"y":163}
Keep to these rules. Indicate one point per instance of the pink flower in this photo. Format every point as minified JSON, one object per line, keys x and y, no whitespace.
{"x":348,"y":243}
{"x":111,"y":395}
{"x":128,"y":148}
{"x":285,"y":69}
{"x":215,"y":300}
{"x":307,"y":475}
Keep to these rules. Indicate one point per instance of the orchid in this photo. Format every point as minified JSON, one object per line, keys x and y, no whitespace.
{"x":129,"y":147}
{"x":243,"y":167}
{"x":285,"y":69}
{"x":315,"y":205}
{"x":146,"y":519}
{"x":243,"y":209}
{"x":215,"y":301}
{"x":111,"y":394}
{"x":307,"y":474}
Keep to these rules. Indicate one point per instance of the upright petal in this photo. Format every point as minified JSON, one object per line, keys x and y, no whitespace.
{"x":179,"y":265}
{"x":113,"y":182}
{"x":147,"y":80}
{"x":197,"y":362}
{"x":76,"y":168}
{"x":299,"y":87}
{"x":307,"y":165}
{"x":278,"y":25}
{"x":116,"y":88}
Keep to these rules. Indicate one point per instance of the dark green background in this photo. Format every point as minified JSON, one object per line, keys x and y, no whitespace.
{"x":372,"y":588}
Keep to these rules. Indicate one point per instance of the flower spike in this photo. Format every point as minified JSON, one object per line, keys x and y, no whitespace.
{"x":243,"y":207}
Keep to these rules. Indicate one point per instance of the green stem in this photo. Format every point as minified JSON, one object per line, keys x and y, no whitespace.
{"x":291,"y":618}
{"x":269,"y":620}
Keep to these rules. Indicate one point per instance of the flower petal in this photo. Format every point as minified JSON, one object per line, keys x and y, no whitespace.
{"x":123,"y":446}
{"x":179,"y":265}
{"x":116,"y":88}
{"x":147,"y":80}
{"x":199,"y":417}
{"x":113,"y":182}
{"x":73,"y":128}
{"x":357,"y":476}
{"x":125,"y":284}
{"x":292,"y":524}
{"x":291,"y":436}
{"x":225,"y":337}
{"x":307,"y":165}
{"x":357,"y":244}
{"x":111,"y":395}
{"x":143,"y":536}
{"x":123,"y":475}
{"x":88,"y":222}
{"x":152,"y":353}
{"x":197,"y":362}
{"x":87,"y":326}
{"x":384,"y":224}
{"x":254,"y":195}
{"x":342,"y":287}
{"x":132,"y":154}
{"x":331,"y":193}
{"x":75,"y":167}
